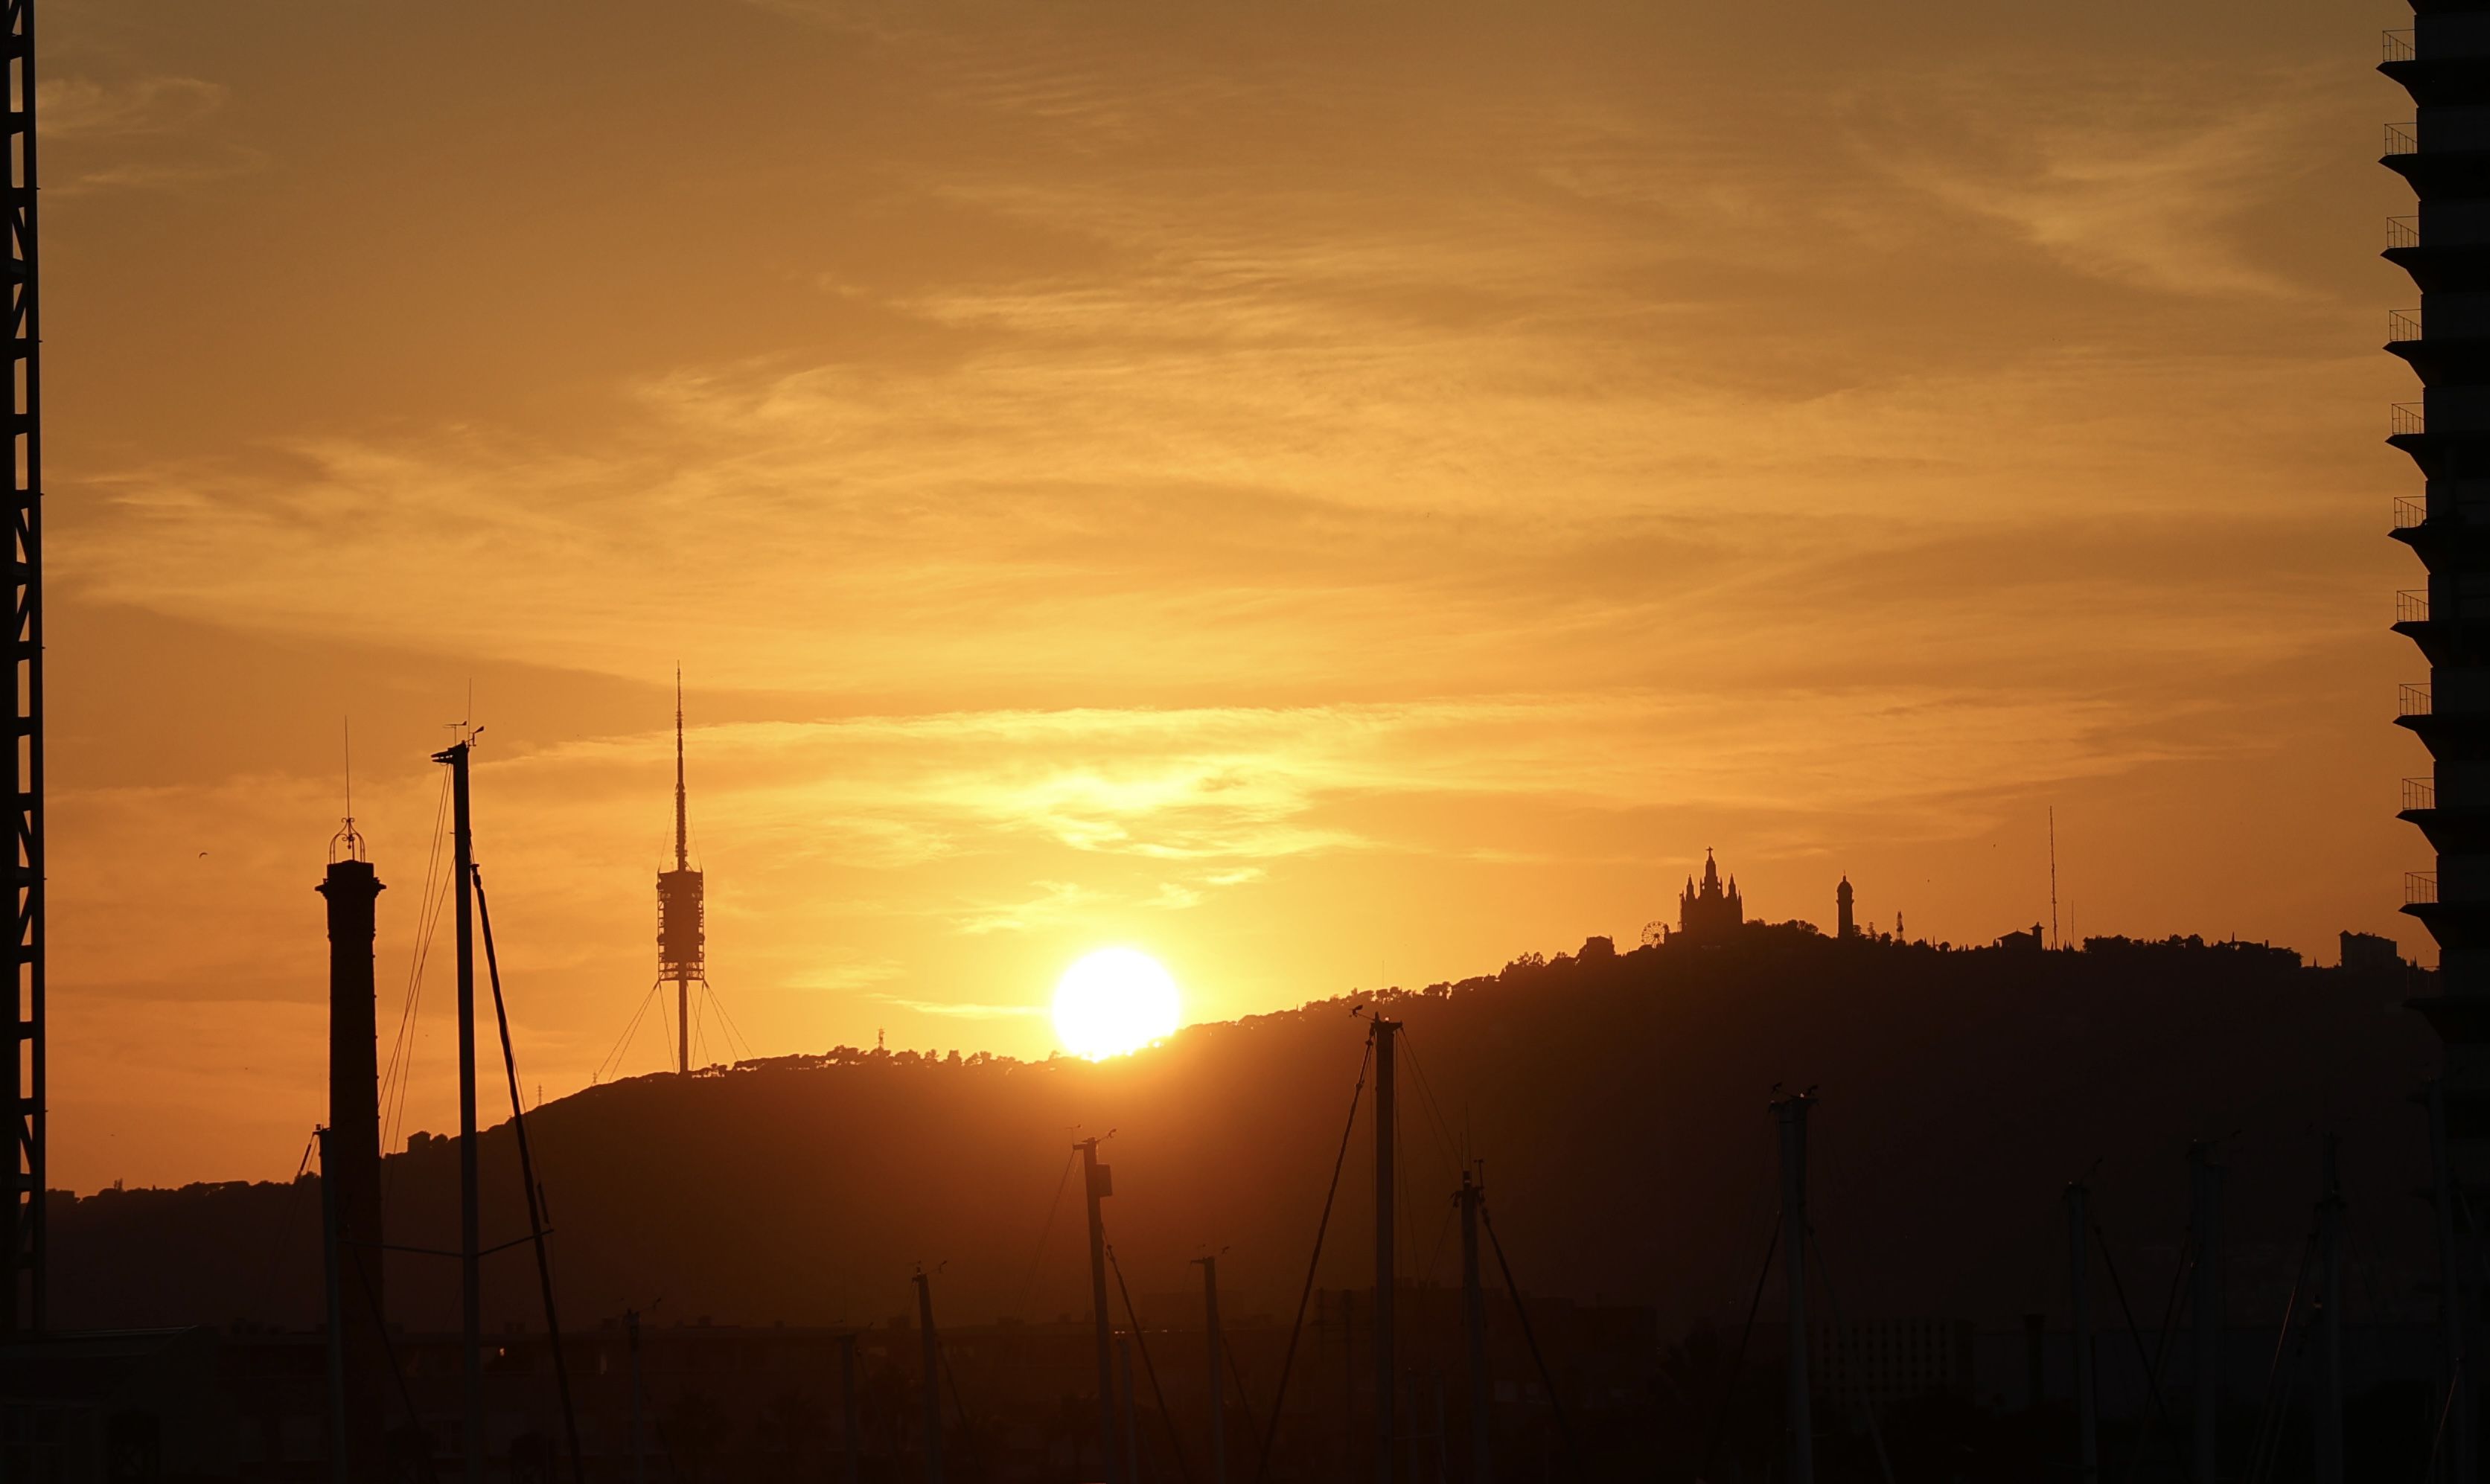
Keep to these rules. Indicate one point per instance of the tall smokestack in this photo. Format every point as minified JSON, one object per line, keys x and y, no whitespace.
{"x":351,"y":1160}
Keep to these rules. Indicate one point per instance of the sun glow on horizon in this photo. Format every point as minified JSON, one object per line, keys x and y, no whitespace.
{"x":1114,"y":1002}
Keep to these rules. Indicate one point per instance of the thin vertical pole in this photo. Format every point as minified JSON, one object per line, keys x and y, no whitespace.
{"x":2208,"y":1303}
{"x":1348,"y":1383}
{"x":331,"y":1250}
{"x":1098,"y":1181}
{"x":2079,"y":1286}
{"x":1440,"y":1475}
{"x":1474,"y":1321}
{"x":1132,"y":1425}
{"x":1385,"y":1381}
{"x":2452,"y":1296}
{"x":639,"y":1404}
{"x":933,"y":1379}
{"x":849,"y":1436}
{"x":2329,"y":1421}
{"x":1218,"y":1383}
{"x":1797,"y":1424}
{"x":470,"y":1222}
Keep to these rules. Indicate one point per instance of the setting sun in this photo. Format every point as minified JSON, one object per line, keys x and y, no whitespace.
{"x":1114,"y":1000}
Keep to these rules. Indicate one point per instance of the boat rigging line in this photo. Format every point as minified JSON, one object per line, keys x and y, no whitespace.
{"x":2151,"y":1364}
{"x":1288,"y":1357}
{"x":431,"y":900}
{"x":528,"y":1178}
{"x":1244,"y":1392}
{"x":1824,"y":1270}
{"x":959,"y":1405}
{"x":2274,"y":1404}
{"x":1530,"y":1336}
{"x":1738,"y":1363}
{"x":1045,"y":1229}
{"x":1183,"y":1466}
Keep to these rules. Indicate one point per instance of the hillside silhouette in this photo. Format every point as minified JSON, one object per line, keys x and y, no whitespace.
{"x":1618,"y":1101}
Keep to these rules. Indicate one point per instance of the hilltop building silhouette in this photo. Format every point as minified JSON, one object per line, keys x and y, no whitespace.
{"x":1848,"y":926}
{"x":1712,"y":912}
{"x":2370,"y":953}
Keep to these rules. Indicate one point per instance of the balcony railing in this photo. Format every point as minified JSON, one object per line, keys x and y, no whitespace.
{"x":2410,"y":512}
{"x":2403,"y":232}
{"x":2420,"y":888}
{"x":2406,"y":417}
{"x":2403,"y":325}
{"x":2402,"y":139}
{"x":2412,"y":605}
{"x":2420,"y":793}
{"x":2412,"y":701}
{"x":2395,"y":45}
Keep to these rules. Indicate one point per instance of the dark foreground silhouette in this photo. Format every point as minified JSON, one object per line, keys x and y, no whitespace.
{"x":1617,"y":1100}
{"x":754,"y":1215}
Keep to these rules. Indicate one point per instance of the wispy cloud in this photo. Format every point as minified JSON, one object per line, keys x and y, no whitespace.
{"x":75,"y":109}
{"x":2142,"y":177}
{"x":961,"y":1010}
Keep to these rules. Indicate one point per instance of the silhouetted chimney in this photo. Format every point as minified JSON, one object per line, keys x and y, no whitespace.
{"x":352,"y":1166}
{"x":1848,"y":927}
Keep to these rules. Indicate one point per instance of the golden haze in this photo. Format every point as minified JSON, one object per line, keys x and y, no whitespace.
{"x":1324,"y":495}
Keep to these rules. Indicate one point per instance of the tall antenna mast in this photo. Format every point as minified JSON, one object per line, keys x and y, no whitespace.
{"x":681,"y":936}
{"x":683,"y":830}
{"x":2053,"y":876}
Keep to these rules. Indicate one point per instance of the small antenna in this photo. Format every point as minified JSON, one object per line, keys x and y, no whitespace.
{"x":348,"y":843}
{"x":2053,"y":876}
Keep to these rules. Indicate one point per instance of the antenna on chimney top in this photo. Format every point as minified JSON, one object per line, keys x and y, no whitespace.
{"x":348,"y":843}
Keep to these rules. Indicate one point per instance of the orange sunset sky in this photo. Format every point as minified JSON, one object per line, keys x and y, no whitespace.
{"x":1330,"y":494}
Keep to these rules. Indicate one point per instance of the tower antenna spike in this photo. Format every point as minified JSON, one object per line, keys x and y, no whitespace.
{"x":681,"y":954}
{"x":682,"y":832}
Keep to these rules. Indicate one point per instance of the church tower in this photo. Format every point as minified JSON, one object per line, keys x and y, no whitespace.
{"x":1711,"y":912}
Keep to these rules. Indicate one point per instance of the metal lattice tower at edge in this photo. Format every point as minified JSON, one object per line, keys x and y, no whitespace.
{"x":682,"y":935}
{"x":22,"y":1297}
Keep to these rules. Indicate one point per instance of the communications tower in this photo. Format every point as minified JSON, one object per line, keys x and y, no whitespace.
{"x":682,"y":938}
{"x":2444,"y":62}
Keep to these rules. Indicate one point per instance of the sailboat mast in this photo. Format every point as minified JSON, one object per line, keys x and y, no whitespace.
{"x":1098,"y":1180}
{"x":1386,"y":1378}
{"x":469,"y":1243}
{"x":1474,"y":1323}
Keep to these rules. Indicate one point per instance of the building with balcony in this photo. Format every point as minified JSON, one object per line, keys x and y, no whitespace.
{"x":2444,"y":62}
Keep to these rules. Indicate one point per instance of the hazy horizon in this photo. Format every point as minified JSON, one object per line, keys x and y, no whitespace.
{"x":1326,"y":498}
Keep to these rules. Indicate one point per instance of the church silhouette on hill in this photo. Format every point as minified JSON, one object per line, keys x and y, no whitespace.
{"x":1711,"y":913}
